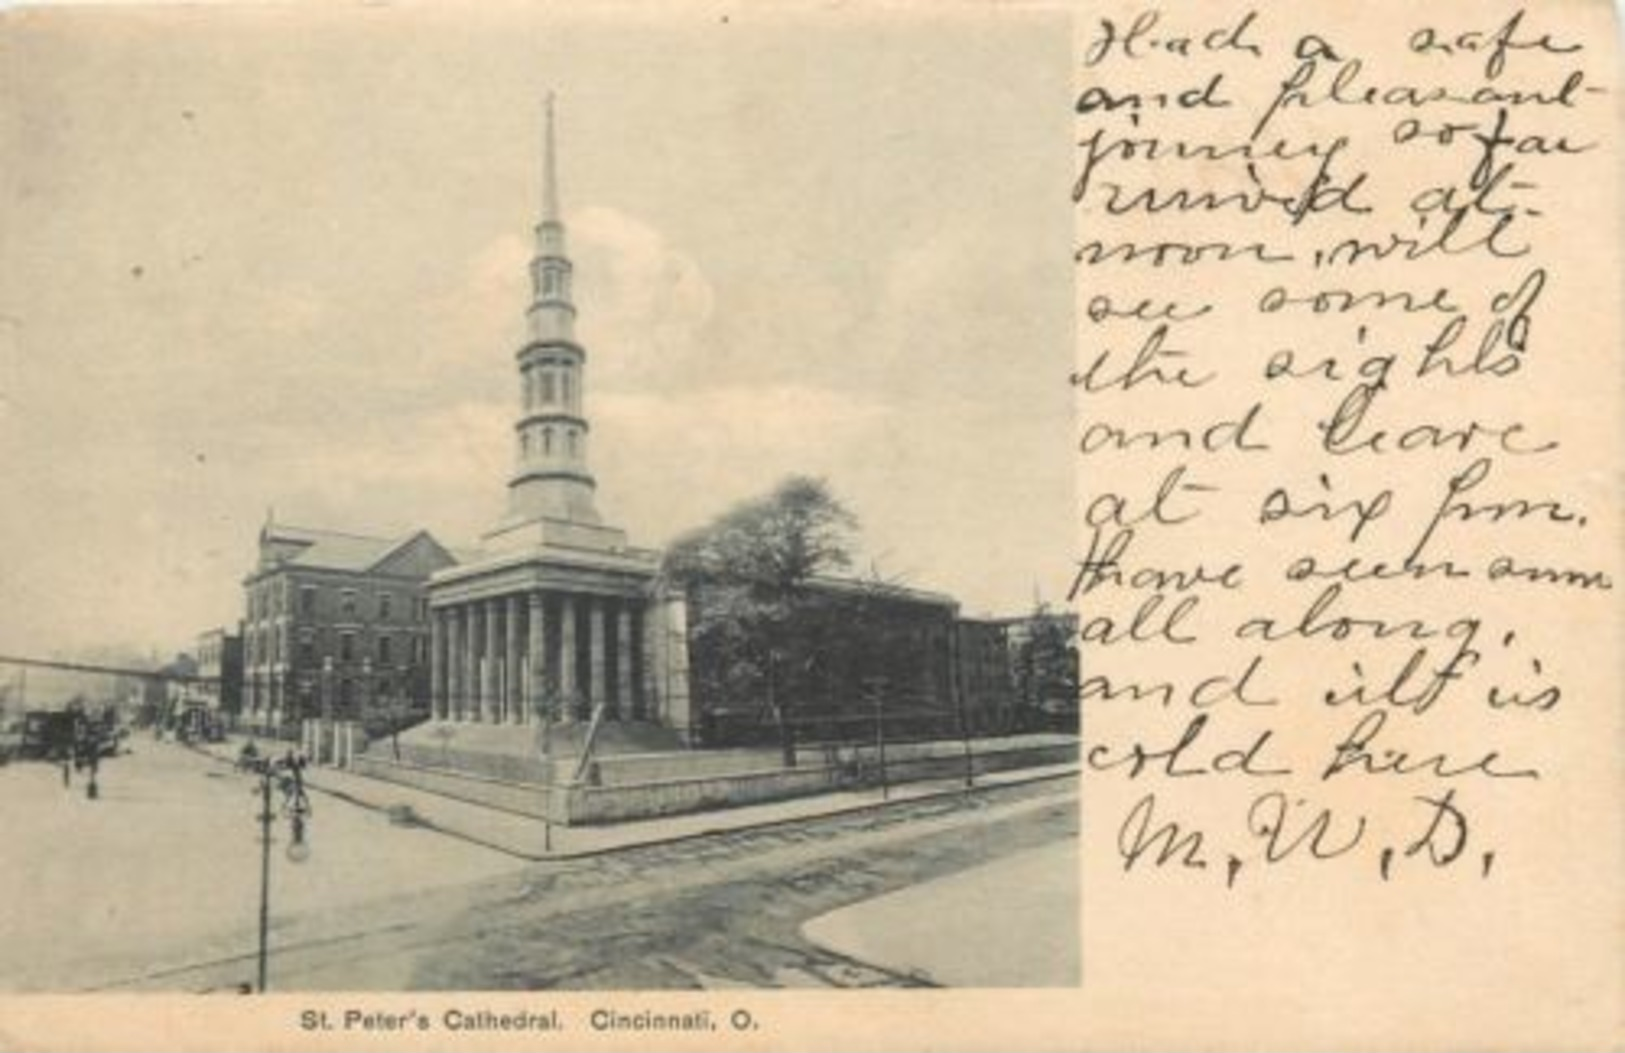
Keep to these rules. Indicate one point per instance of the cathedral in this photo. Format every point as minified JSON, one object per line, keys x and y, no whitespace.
{"x":558,"y":616}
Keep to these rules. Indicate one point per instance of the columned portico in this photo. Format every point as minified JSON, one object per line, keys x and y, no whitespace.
{"x":594,"y":656}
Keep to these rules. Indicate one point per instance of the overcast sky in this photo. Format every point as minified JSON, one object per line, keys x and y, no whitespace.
{"x":258,"y":257}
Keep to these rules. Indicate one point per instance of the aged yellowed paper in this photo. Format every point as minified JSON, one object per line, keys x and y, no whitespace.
{"x":885,"y":526}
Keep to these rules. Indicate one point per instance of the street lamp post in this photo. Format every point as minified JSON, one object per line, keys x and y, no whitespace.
{"x":544,"y":749}
{"x":964,"y":738}
{"x":286,"y":775}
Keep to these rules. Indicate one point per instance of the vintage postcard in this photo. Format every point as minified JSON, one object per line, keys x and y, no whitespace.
{"x":902,"y":526}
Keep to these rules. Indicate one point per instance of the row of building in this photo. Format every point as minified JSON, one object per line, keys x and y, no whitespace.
{"x":338,"y":626}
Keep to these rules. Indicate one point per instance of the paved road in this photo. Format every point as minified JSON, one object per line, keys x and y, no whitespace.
{"x":721,"y":911}
{"x":164,"y":868}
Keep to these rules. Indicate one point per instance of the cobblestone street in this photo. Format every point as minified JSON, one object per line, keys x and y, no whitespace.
{"x":731,"y":912}
{"x":163,"y":869}
{"x":716,"y":911}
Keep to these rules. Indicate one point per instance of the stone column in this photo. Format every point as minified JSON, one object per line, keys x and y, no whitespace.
{"x":640,"y":654}
{"x":437,"y":665}
{"x":483,"y":644}
{"x":623,"y":660}
{"x":595,"y":649}
{"x":653,"y":663}
{"x":459,"y":662}
{"x":471,"y":662}
{"x":535,"y":686}
{"x":448,"y":641}
{"x":510,"y":662}
{"x":567,"y":658}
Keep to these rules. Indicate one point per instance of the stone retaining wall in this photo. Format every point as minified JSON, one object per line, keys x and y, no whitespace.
{"x":524,"y":798}
{"x":615,"y":797}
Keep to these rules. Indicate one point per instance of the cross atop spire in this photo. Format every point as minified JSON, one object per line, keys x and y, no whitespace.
{"x":550,"y":176}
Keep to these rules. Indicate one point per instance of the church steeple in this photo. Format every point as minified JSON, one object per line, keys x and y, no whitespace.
{"x":550,"y":172}
{"x":551,"y":479}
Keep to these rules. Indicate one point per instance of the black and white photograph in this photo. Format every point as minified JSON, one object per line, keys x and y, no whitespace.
{"x":536,"y":500}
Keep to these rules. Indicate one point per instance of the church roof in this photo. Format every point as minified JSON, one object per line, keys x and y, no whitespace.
{"x":287,"y":545}
{"x":331,"y":550}
{"x":881,"y":590}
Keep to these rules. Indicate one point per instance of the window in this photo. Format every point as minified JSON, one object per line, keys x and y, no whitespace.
{"x":386,"y":650}
{"x":346,"y":647}
{"x":346,"y":694}
{"x":347,"y":603}
{"x":524,"y":443}
{"x":564,"y":383}
{"x":385,"y":603}
{"x":571,"y":434}
{"x":547,"y":386}
{"x":307,"y":600}
{"x":307,"y":650}
{"x":547,"y":440}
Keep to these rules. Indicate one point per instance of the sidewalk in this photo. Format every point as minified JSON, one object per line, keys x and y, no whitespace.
{"x":525,"y":837}
{"x":995,"y":939}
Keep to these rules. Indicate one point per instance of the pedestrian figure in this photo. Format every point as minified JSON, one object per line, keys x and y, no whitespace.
{"x":67,"y":772}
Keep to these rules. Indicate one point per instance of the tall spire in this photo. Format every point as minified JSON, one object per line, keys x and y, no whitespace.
{"x":551,"y":479}
{"x":550,"y":172}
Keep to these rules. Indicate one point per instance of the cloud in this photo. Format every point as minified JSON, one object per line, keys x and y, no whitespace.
{"x":643,"y":304}
{"x":642,"y":300}
{"x":668,"y":463}
{"x":480,"y":318}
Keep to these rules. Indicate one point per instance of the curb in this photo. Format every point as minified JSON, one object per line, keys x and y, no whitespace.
{"x":587,"y":853}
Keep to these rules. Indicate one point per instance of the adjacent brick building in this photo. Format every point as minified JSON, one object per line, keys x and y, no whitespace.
{"x":336,"y":625}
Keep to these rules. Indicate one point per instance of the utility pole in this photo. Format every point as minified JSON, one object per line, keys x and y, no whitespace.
{"x":265,"y":873}
{"x":877,"y":686}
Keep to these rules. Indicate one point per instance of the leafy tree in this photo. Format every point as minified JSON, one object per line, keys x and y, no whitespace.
{"x":747,"y":575}
{"x":1046,"y":667}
